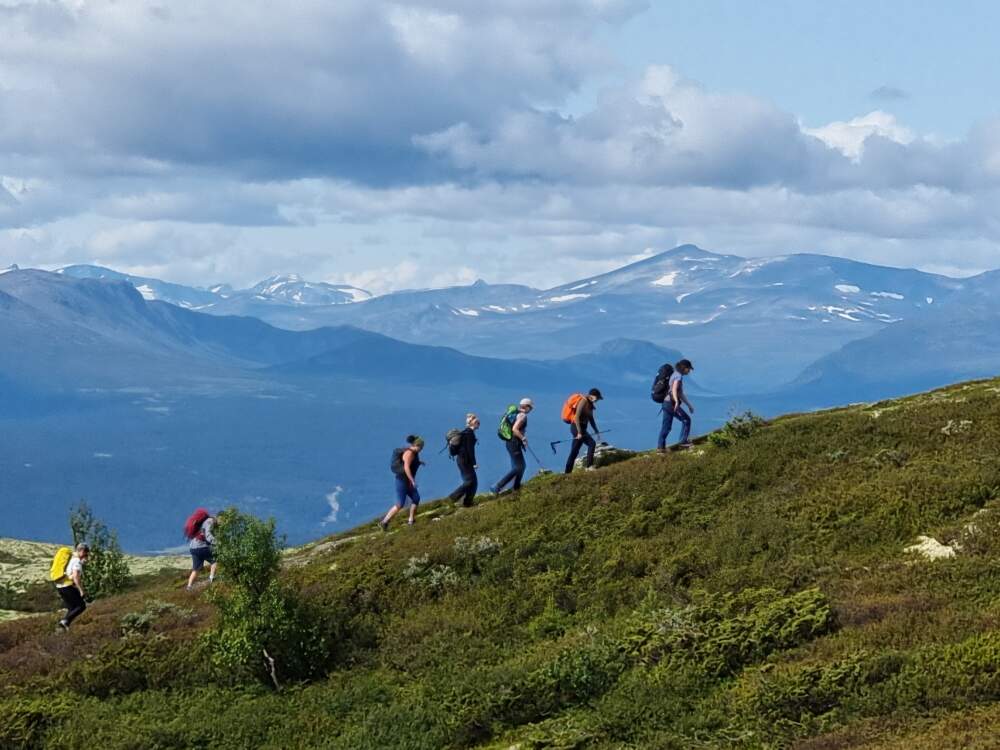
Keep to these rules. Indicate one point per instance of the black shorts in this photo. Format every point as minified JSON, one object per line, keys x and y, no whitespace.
{"x":200,"y":556}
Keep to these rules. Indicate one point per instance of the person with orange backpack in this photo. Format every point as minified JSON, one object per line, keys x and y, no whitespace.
{"x":578,"y":413}
{"x":67,"y":575}
{"x":198,"y":529}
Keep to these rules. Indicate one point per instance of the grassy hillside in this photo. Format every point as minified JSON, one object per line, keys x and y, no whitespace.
{"x":24,"y":568}
{"x":755,"y":596}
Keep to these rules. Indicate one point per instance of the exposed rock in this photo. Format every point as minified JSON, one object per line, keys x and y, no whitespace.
{"x":956,"y":427}
{"x":605,"y":455}
{"x":930,"y":548}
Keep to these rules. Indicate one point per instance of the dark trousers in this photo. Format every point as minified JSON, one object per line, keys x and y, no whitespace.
{"x":579,"y":440}
{"x":74,"y":602}
{"x":517,"y":465}
{"x":669,"y":414}
{"x":470,"y":483}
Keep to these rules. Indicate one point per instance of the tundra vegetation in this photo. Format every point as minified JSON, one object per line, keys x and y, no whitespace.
{"x":753,"y":592}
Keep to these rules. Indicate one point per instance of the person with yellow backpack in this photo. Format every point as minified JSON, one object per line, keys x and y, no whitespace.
{"x":578,"y":413}
{"x":66,"y":573}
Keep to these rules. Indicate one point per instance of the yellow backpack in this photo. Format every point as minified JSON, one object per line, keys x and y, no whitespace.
{"x":57,"y":573}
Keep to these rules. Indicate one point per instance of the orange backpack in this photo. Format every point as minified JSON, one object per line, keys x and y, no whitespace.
{"x":569,"y":408}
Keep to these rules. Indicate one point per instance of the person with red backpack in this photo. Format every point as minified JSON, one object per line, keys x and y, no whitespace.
{"x":198,"y":530}
{"x":578,"y":412}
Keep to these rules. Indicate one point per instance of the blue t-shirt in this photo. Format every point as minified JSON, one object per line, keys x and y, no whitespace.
{"x":676,"y":378}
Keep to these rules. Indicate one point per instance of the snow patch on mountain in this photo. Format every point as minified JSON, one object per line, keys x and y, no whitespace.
{"x":146,"y":291}
{"x":888,"y":295}
{"x":567,"y":297}
{"x":667,"y":279}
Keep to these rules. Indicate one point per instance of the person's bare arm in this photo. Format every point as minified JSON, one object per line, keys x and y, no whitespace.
{"x":678,"y":396}
{"x":78,"y":581}
{"x":408,"y":458}
{"x":518,"y":429}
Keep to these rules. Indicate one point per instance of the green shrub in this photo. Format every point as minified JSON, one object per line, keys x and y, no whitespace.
{"x":739,"y":427}
{"x":728,"y":632}
{"x":138,"y":623}
{"x":25,"y":720}
{"x":266,"y":630}
{"x":107,"y":571}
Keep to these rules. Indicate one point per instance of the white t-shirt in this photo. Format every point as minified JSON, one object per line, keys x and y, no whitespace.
{"x":75,"y":564}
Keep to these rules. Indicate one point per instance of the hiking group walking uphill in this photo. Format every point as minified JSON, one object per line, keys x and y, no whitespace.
{"x":578,"y":412}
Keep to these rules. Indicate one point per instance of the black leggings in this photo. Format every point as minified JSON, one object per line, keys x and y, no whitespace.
{"x":517,"y":465}
{"x":470,"y":483}
{"x":74,"y":602}
{"x":580,"y":440}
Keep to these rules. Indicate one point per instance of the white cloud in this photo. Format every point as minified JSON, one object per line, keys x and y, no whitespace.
{"x":849,"y":137}
{"x":269,"y":140}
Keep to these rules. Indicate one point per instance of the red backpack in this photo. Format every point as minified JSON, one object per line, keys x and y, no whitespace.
{"x":192,"y":527}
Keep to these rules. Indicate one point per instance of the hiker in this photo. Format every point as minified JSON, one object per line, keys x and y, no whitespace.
{"x":581,"y":415}
{"x":70,"y":586}
{"x":199,"y":529}
{"x":673,"y":407}
{"x":405,"y":463}
{"x":465,"y":457}
{"x":512,"y":428}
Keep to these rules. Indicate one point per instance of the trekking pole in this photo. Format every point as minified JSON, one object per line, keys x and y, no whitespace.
{"x":554,"y":443}
{"x":532,"y":452}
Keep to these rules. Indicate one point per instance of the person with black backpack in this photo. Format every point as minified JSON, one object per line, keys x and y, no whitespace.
{"x":463,"y":448}
{"x":673,"y":405}
{"x":513,"y":425}
{"x":404,"y":465}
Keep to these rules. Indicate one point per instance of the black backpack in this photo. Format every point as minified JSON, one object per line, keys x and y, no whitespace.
{"x":396,"y":465}
{"x":661,"y":384}
{"x":454,"y":440}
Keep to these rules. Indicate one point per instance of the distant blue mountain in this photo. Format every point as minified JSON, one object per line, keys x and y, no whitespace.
{"x":749,"y":323}
{"x":147,"y":409}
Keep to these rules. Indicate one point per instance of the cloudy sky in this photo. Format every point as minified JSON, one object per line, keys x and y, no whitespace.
{"x":429,"y":142}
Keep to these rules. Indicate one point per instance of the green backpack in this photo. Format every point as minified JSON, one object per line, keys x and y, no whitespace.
{"x":506,"y":429}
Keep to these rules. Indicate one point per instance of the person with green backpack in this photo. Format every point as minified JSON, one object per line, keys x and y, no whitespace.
{"x":67,"y":574}
{"x":513,"y":425}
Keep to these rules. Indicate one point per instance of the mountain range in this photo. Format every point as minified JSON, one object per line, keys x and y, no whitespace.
{"x":146,"y":409}
{"x":116,"y":389}
{"x":749,"y":324}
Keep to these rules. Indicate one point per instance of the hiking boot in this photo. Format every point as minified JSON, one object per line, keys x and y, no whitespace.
{"x":384,"y":525}
{"x":409,"y":523}
{"x":685,"y":445}
{"x":62,"y":627}
{"x":495,"y":491}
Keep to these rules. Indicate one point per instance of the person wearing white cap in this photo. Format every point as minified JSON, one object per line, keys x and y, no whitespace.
{"x":515,"y":447}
